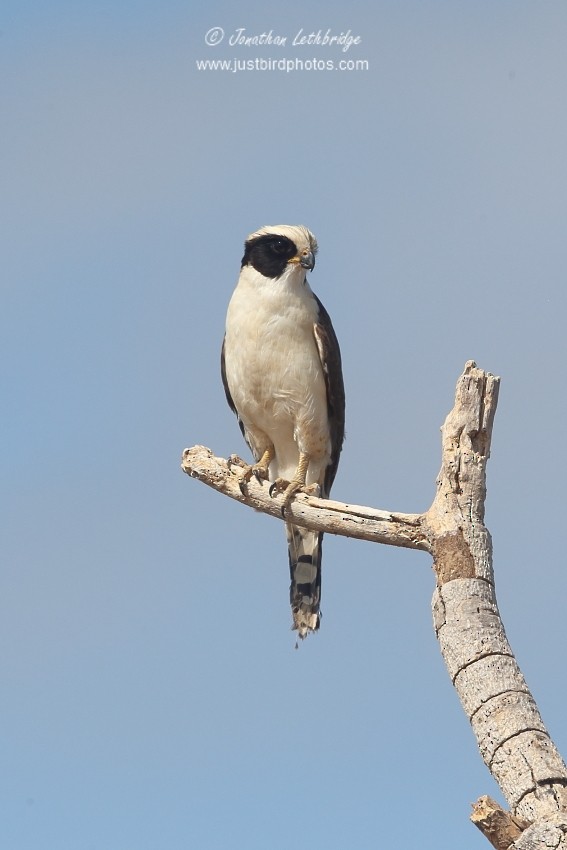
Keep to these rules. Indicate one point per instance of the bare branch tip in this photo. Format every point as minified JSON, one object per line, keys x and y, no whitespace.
{"x":500,"y":827}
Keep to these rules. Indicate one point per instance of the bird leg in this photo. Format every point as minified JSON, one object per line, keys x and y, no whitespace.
{"x":259,"y":470}
{"x":297,"y":483}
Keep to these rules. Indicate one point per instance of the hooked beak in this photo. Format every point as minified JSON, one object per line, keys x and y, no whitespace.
{"x":307,"y":260}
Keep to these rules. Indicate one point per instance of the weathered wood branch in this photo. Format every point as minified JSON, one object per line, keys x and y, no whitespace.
{"x":499,"y":826}
{"x":511,"y":736}
{"x":393,"y":529}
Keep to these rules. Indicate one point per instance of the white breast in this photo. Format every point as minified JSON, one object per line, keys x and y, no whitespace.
{"x":273,"y":368}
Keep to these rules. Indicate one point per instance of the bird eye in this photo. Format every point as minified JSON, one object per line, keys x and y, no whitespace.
{"x":280,"y":246}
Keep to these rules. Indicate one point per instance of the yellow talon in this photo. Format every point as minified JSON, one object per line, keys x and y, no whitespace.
{"x":297,"y":483}
{"x":259,"y":470}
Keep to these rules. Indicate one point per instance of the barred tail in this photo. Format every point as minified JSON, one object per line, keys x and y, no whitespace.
{"x":304,"y":549}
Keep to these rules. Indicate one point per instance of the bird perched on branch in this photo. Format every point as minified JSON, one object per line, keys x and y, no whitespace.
{"x":281,"y":370}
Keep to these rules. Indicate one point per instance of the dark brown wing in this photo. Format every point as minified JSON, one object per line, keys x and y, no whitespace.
{"x":330,"y":354}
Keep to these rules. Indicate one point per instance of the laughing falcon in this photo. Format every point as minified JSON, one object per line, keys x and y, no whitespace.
{"x":281,"y":370}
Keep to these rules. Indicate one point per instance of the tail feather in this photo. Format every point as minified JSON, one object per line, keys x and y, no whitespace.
{"x":304,"y":548}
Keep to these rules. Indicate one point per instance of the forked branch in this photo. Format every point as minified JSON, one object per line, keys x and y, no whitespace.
{"x":509,"y":730}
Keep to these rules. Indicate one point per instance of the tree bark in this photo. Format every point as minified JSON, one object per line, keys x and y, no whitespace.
{"x":511,"y":736}
{"x":500,"y":827}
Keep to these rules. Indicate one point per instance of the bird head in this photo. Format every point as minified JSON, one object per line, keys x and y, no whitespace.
{"x":275,"y":248}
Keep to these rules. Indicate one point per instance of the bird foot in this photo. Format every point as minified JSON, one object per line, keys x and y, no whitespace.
{"x":290,"y":490}
{"x":258,"y":470}
{"x":235,"y":460}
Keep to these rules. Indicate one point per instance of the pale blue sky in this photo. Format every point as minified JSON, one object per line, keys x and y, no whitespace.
{"x":151,"y":695}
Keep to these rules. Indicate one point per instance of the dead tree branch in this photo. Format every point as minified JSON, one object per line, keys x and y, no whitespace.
{"x":499,"y":826}
{"x":511,"y":736}
{"x":393,"y":529}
